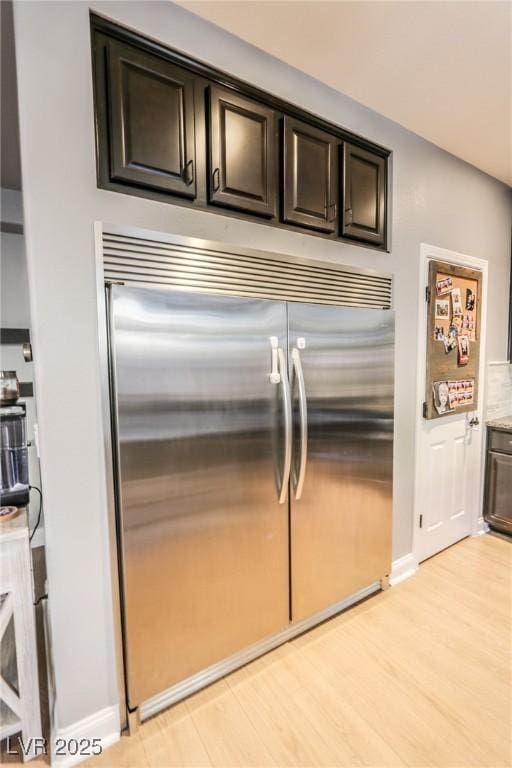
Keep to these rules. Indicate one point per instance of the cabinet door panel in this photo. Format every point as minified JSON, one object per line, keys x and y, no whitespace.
{"x":364,"y":195}
{"x":310,"y":178}
{"x":242,"y":153}
{"x":498,"y":502}
{"x":151,"y":121}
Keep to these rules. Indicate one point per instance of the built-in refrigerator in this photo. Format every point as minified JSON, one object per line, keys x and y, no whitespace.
{"x":254,"y":455}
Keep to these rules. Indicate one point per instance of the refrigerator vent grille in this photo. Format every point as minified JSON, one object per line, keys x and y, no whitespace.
{"x":208,"y":268}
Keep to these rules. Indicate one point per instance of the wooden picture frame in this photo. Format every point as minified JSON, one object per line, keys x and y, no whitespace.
{"x":454,"y":301}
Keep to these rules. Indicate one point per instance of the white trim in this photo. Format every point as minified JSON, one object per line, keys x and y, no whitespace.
{"x":481,"y":527}
{"x":403,"y":568}
{"x":428,"y":252}
{"x":104,"y":725}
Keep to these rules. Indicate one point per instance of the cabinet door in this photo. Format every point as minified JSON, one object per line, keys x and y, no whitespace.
{"x":364,"y":195}
{"x":151,"y":121}
{"x":242,"y":153}
{"x":498,"y":502}
{"x":310,"y":176}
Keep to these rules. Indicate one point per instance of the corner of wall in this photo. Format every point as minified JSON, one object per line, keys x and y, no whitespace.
{"x":403,"y":568}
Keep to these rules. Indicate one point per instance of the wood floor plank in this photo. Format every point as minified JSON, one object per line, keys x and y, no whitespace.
{"x":367,"y":746}
{"x":281,"y":711}
{"x":127,"y":753}
{"x":419,"y":675}
{"x":411,"y":723}
{"x":228,"y":735}
{"x":172,"y":739}
{"x":459,"y":699}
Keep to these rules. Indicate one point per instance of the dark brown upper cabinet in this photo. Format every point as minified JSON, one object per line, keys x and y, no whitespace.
{"x":151,"y":121}
{"x":173,"y":129}
{"x":364,"y":195}
{"x":310,"y":179}
{"x":242,"y":153}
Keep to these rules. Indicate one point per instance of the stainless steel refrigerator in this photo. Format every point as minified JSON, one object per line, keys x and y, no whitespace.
{"x":255,"y":454}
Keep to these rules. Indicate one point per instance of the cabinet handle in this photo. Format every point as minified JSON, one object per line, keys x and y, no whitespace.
{"x":334,"y":208}
{"x":216,"y":179}
{"x":348,"y":215}
{"x":188,"y":172}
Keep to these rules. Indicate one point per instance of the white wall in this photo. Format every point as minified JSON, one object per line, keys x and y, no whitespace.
{"x":436,"y":199}
{"x":499,"y":390}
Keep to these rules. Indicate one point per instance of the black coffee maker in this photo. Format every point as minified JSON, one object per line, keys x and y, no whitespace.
{"x":14,"y":484}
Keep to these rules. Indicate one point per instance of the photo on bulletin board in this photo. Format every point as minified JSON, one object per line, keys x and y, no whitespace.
{"x":444,"y":285}
{"x":442,"y":397}
{"x":470,"y":299}
{"x":463,"y":344}
{"x":453,"y":345}
{"x":456,"y":301}
{"x":442,"y":309}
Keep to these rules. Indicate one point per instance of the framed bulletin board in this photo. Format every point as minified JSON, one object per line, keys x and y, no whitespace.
{"x":453,"y":339}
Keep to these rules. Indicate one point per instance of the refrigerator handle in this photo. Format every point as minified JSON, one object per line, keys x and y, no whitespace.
{"x":303,"y":410}
{"x":287,"y":407}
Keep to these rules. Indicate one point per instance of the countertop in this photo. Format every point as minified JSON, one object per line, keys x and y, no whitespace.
{"x":505,"y":422}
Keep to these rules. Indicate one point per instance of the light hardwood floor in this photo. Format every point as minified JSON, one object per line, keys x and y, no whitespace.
{"x":419,"y":675}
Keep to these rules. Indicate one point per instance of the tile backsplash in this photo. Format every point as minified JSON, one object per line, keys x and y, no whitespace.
{"x":499,"y":390}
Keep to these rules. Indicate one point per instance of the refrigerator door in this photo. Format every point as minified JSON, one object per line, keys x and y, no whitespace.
{"x":341,"y":490}
{"x":201,"y":460}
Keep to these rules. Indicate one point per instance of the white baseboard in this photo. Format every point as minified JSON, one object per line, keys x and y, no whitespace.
{"x":481,"y":527}
{"x":103,"y":725}
{"x":402,"y":568}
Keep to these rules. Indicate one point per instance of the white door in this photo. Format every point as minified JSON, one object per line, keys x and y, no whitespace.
{"x":449,"y":451}
{"x":449,"y":479}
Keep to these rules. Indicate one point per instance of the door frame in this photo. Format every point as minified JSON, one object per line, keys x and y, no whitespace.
{"x":428,"y":253}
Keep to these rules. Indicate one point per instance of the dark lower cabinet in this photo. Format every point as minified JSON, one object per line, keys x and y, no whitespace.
{"x":364,"y":195}
{"x":498,"y":481}
{"x":310,"y":178}
{"x":242,"y":153}
{"x":151,"y":121}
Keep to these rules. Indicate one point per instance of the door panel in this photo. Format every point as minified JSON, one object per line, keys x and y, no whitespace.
{"x":341,"y":525}
{"x":364,"y":195}
{"x":152,"y":121}
{"x":447,"y":494}
{"x":205,"y":541}
{"x":310,"y":176}
{"x":498,"y":503}
{"x":242,"y":146}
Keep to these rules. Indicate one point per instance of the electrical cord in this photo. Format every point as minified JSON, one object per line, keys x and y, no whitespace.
{"x":43,"y":597}
{"x":35,"y":488}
